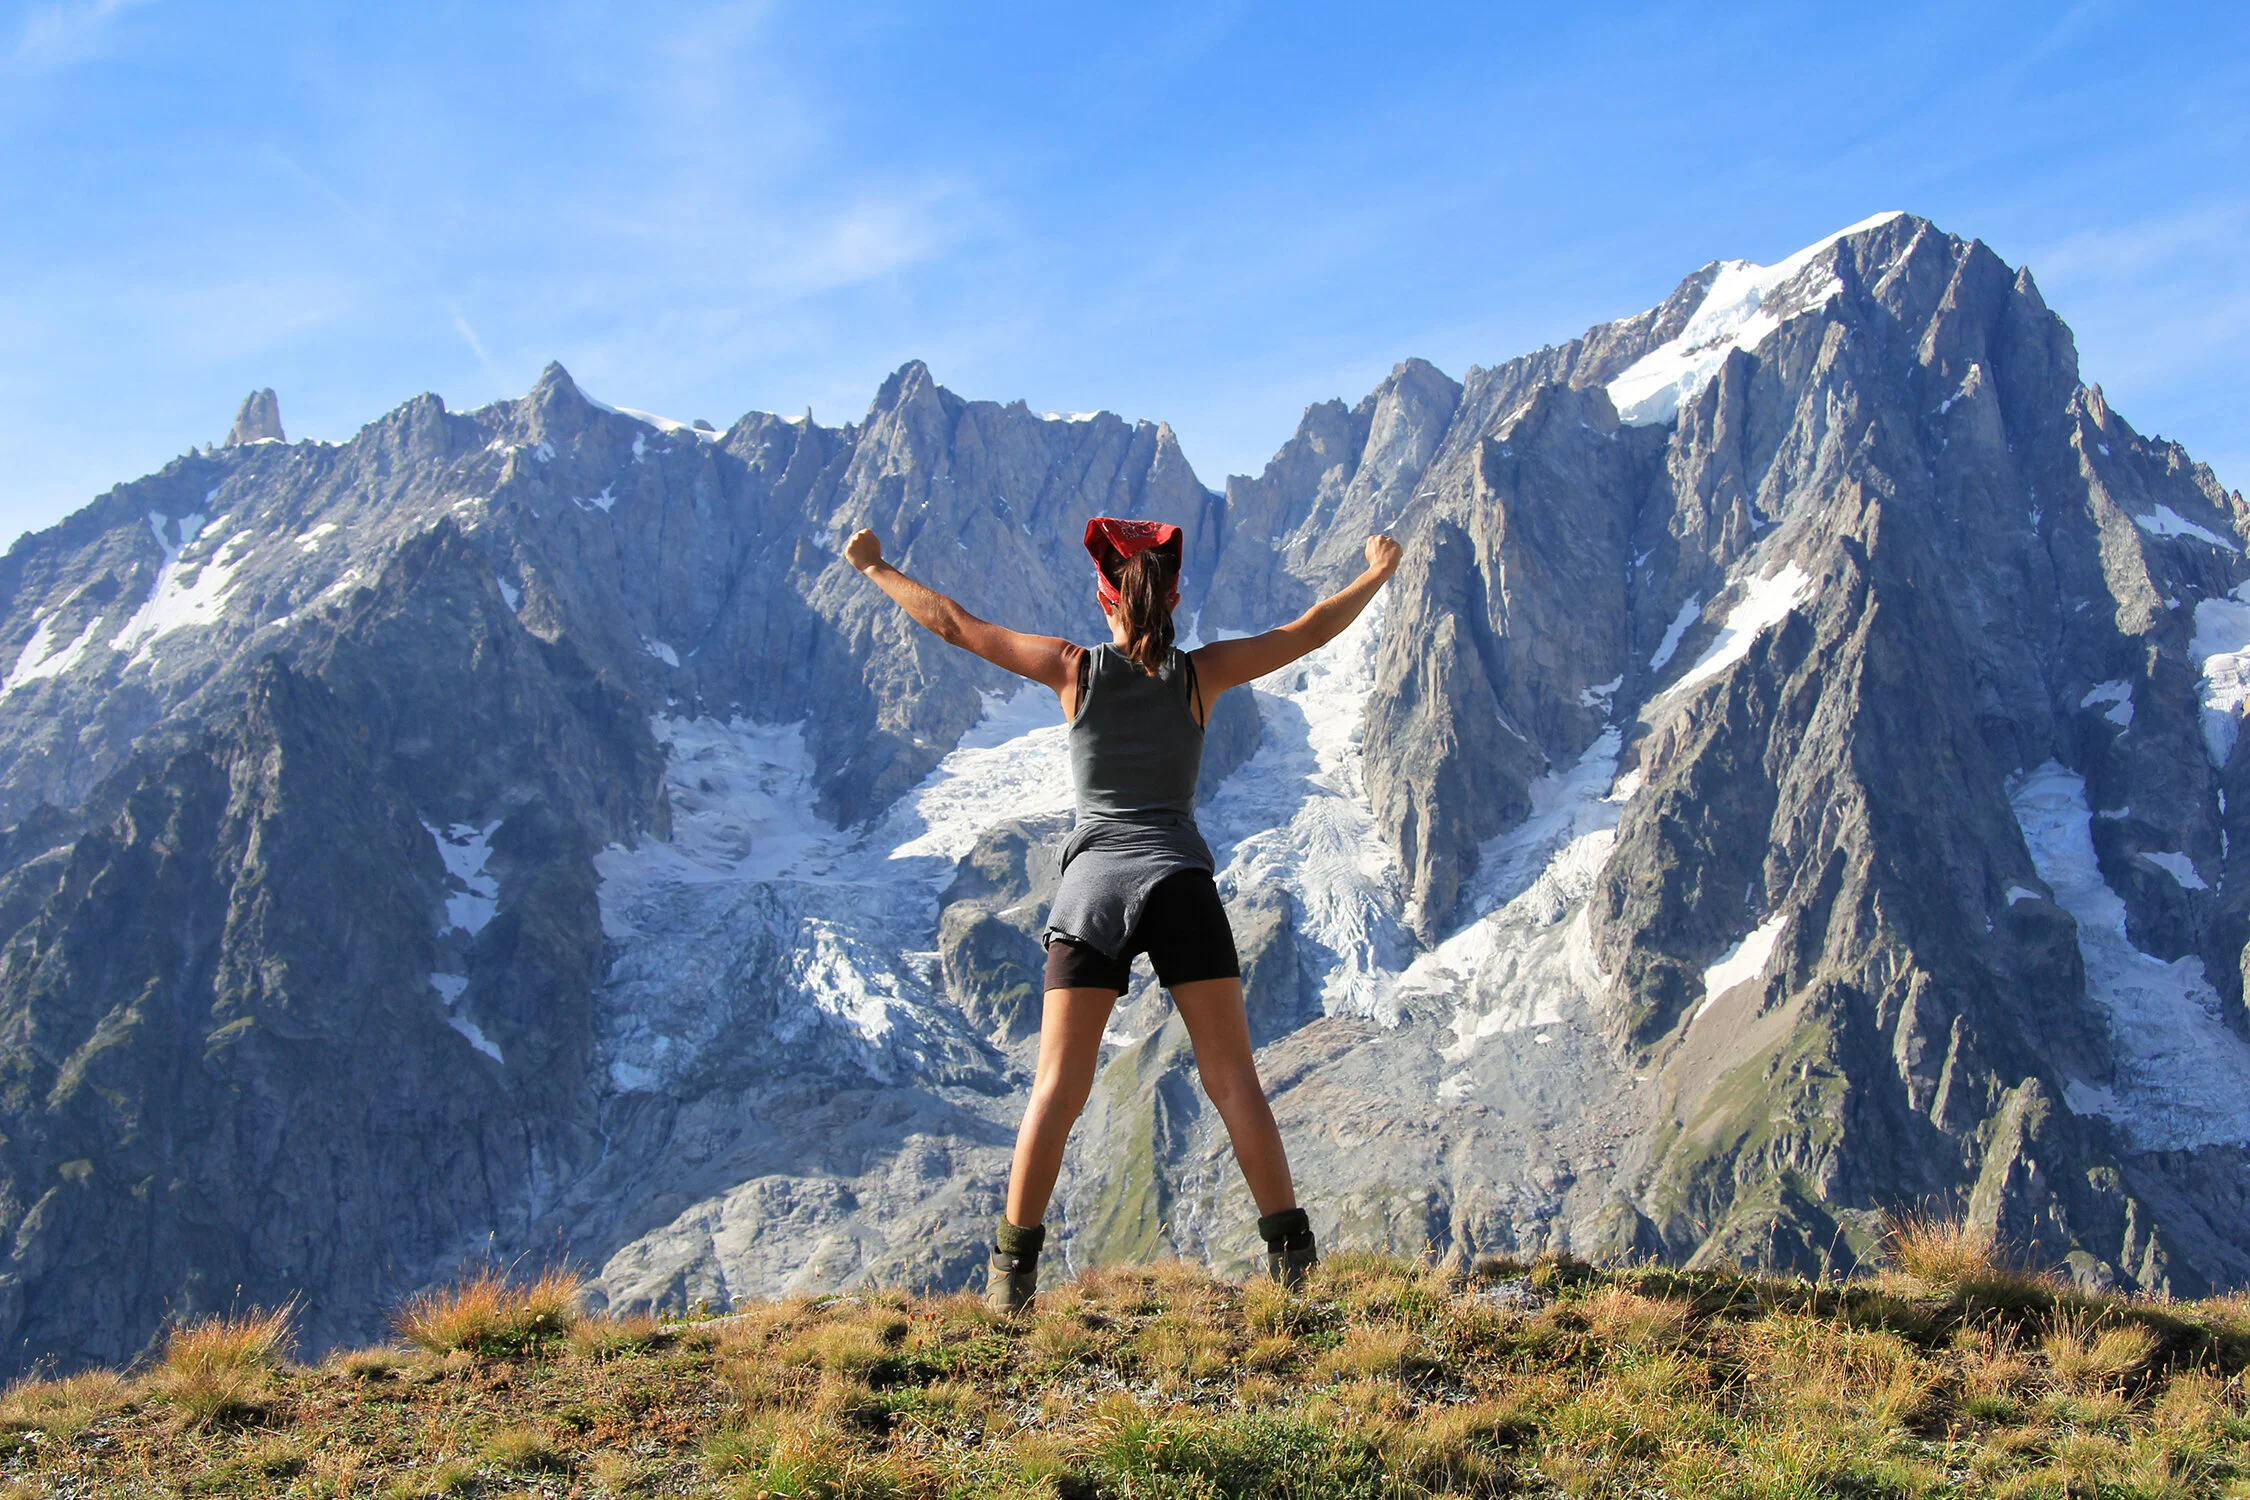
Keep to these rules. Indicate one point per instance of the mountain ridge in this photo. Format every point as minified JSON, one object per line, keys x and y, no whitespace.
{"x":1642,"y":875}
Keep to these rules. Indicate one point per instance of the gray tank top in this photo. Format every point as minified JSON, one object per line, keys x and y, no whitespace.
{"x":1135,"y":746}
{"x":1136,"y":753}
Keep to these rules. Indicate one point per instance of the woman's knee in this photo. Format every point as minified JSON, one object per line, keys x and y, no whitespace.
{"x":1059,"y":1093}
{"x":1234,"y":1086}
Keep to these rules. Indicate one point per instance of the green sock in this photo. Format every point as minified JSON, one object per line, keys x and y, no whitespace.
{"x":1024,"y":1244}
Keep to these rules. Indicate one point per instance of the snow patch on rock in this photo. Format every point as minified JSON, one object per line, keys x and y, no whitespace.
{"x":2169,"y":522}
{"x":2179,"y":866}
{"x":40,"y":656}
{"x":475,"y":896}
{"x":1746,"y":960}
{"x":1526,"y":959}
{"x":2116,"y":692}
{"x":476,"y":1037}
{"x":187,"y":593}
{"x":2221,"y":652}
{"x":667,"y":425}
{"x":1765,"y":603}
{"x":2182,"y":1077}
{"x":1689,"y":613}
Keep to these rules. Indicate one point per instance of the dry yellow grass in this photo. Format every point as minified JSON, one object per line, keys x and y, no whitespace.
{"x":1184,"y":1344}
{"x":486,"y":1313}
{"x":1272,"y":1353}
{"x":278,"y":1457}
{"x":238,"y":1341}
{"x":1951,"y":1255}
{"x":1061,"y":1337}
{"x":845,"y":1347}
{"x":379,"y":1363}
{"x":1625,"y":1318}
{"x":219,"y":1370}
{"x":1997,"y":1376}
{"x":615,"y":1337}
{"x":524,"y":1449}
{"x":1386,"y":1378}
{"x":615,"y":1473}
{"x":2086,"y":1354}
{"x":1366,"y":1353}
{"x":64,"y":1408}
{"x":1820,"y":1370}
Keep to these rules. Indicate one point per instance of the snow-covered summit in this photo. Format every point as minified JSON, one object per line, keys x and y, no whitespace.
{"x":1744,"y":305}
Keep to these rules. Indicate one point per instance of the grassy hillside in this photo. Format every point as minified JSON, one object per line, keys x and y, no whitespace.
{"x":1951,"y":1375}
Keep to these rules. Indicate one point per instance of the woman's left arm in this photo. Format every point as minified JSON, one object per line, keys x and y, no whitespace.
{"x":1230,"y":663}
{"x":1044,"y":659}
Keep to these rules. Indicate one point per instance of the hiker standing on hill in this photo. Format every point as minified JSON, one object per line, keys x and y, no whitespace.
{"x":1137,"y":876}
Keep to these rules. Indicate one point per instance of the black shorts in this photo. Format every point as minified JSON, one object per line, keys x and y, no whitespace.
{"x":1183,"y":930}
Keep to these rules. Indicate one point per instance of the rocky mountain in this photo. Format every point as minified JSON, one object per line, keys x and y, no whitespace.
{"x":1789,"y":779}
{"x":259,"y":420}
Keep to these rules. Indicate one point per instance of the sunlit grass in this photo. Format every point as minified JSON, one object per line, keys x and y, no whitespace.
{"x":221,"y":1369}
{"x":487,"y":1313}
{"x":64,"y":1408}
{"x":1385,"y":1377}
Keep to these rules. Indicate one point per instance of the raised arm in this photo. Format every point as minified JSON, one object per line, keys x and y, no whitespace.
{"x":1042,"y":658}
{"x":1225,"y":664}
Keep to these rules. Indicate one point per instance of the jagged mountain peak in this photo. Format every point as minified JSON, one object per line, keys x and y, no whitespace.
{"x":258,"y":420}
{"x":909,"y":384}
{"x":556,"y":408}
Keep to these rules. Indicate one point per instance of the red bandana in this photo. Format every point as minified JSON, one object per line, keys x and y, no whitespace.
{"x":1111,"y":541}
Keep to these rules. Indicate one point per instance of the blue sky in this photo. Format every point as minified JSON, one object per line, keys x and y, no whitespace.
{"x":1211,"y":213}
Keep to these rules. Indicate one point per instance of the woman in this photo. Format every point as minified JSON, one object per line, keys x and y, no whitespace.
{"x":1137,"y":877}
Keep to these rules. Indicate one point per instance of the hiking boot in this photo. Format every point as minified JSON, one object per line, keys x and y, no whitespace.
{"x":1290,"y":1255}
{"x":1012,"y":1275}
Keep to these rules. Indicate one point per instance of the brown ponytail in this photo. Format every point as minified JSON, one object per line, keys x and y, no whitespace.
{"x":1144,"y":585}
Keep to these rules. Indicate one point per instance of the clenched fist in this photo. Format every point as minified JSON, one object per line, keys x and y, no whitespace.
{"x":865,"y":549}
{"x":1383,"y":554}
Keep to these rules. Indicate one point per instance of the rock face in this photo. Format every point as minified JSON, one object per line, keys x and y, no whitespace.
{"x":1793,"y":776}
{"x":259,"y":420}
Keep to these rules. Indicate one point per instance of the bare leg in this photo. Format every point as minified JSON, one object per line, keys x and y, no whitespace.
{"x":1220,"y":1030}
{"x":1070,"y":1044}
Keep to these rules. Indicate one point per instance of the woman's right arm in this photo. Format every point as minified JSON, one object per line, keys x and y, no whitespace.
{"x":1225,"y":664}
{"x":1042,"y":658}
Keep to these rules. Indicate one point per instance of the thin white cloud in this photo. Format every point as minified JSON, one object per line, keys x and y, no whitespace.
{"x":2073,"y":24}
{"x":476,"y":345}
{"x":65,"y":32}
{"x":2157,"y":299}
{"x":2134,"y":248}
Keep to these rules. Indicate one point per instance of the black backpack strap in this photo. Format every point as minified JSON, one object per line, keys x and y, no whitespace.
{"x":1194,"y":686}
